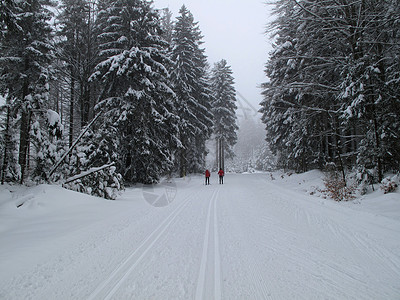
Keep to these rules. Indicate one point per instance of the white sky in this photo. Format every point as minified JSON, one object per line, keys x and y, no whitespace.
{"x":233,"y":30}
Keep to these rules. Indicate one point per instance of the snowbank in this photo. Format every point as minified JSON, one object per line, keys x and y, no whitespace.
{"x":44,"y":219}
{"x":311,"y":183}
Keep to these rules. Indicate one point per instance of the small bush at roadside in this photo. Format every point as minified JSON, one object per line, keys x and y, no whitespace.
{"x":389,"y":185}
{"x":337,"y":189}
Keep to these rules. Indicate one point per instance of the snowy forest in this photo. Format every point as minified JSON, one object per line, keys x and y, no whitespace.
{"x":125,"y":101}
{"x":334,"y":85}
{"x":97,"y":93}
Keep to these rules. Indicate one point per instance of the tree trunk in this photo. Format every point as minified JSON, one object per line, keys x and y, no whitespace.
{"x":182,"y":171}
{"x":24,"y":142}
{"x":24,"y":126}
{"x":222,"y":155}
{"x":342,"y":168}
{"x":71,"y":108}
{"x":378,"y":145}
{"x":354,"y":143}
{"x":7,"y":143}
{"x":216,"y":153}
{"x":85,"y":104}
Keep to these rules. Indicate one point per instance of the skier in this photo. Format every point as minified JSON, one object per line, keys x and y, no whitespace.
{"x":221,"y":176}
{"x":208,"y":177}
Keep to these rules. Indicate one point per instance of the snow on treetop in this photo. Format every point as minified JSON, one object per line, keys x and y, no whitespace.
{"x":53,"y":117}
{"x":285,"y":45}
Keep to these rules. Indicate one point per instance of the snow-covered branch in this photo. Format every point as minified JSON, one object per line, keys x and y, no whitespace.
{"x":73,"y":145}
{"x":88,"y":172}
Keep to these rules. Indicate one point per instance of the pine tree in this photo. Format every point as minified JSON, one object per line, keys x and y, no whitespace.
{"x":26,"y":55}
{"x":46,"y":138}
{"x":192,"y":88}
{"x":167,"y":25}
{"x":8,"y":145}
{"x":328,"y":101}
{"x":367,"y":91}
{"x":300,"y":110}
{"x":224,"y":107}
{"x":8,"y":23}
{"x":76,"y":51}
{"x":8,"y":17}
{"x":136,"y":100}
{"x":96,"y":152}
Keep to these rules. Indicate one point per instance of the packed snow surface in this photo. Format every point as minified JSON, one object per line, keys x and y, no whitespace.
{"x":255,"y":237}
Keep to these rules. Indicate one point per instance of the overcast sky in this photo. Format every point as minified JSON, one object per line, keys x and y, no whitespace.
{"x":233,"y":30}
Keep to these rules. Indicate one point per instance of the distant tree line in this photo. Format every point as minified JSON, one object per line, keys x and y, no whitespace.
{"x":333,"y":94}
{"x":143,"y":74}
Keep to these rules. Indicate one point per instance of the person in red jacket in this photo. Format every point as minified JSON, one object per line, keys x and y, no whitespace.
{"x":208,"y":177}
{"x":221,"y":176}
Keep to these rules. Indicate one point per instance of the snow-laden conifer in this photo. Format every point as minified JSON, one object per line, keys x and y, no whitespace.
{"x":192,"y":87}
{"x":76,"y":50}
{"x":224,"y":106}
{"x":24,"y":67}
{"x":136,"y":99}
{"x":333,"y":78}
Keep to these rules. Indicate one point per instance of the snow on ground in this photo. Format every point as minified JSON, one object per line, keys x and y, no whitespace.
{"x":251,"y":238}
{"x":311,"y":183}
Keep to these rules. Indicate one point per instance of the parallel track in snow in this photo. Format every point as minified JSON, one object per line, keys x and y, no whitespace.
{"x":210,"y":265}
{"x":108,"y":288}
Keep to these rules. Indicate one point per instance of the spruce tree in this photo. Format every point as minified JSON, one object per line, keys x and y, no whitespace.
{"x":330,"y":101}
{"x":8,"y":17}
{"x":137,"y":99}
{"x":299,"y":106}
{"x":192,"y":87}
{"x":26,"y":56}
{"x":224,"y":107}
{"x":73,"y":21}
{"x":167,"y":25}
{"x":8,"y":143}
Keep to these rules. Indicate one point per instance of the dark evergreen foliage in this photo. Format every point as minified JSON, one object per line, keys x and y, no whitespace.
{"x":224,"y":106}
{"x":146,"y":75}
{"x":138,"y":100}
{"x":192,"y":88}
{"x":332,"y":90}
{"x":24,"y":68}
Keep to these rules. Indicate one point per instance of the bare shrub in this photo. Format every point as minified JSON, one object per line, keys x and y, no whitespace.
{"x":389,"y":185}
{"x":337,"y":189}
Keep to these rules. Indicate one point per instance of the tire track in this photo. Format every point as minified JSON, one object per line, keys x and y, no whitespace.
{"x":210,"y":260}
{"x":111,"y":285}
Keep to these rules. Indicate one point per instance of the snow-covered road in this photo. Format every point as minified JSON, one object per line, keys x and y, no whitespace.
{"x":247,"y":239}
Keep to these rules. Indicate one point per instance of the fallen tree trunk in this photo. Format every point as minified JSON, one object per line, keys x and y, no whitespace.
{"x":87,"y":173}
{"x":73,"y":145}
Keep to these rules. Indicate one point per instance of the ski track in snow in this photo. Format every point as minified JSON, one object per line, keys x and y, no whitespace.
{"x":108,"y":288}
{"x":210,"y":261}
{"x":246,"y":239}
{"x":243,"y":276}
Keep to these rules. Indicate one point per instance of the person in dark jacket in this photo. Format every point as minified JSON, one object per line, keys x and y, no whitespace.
{"x":221,"y":176}
{"x":208,"y":177}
